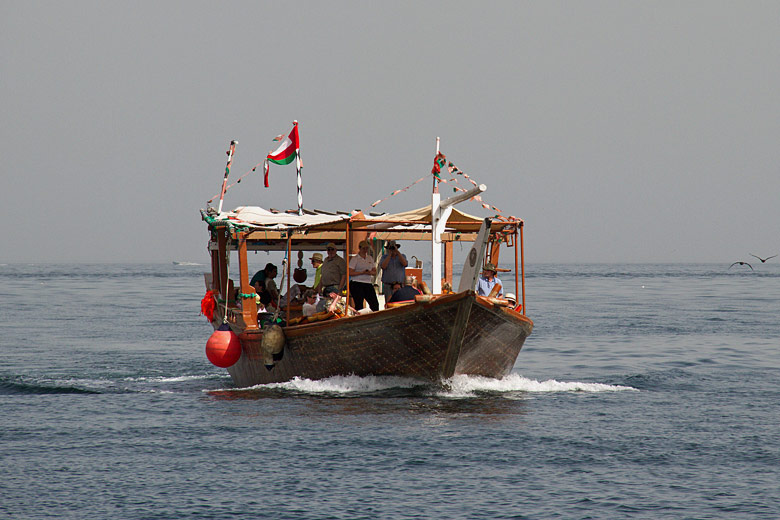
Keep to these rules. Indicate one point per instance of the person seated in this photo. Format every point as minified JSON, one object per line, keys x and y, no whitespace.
{"x":511,"y":299}
{"x":309,"y":302}
{"x":488,"y":284}
{"x":295,"y":295}
{"x":404,"y":293}
{"x":264,"y":285}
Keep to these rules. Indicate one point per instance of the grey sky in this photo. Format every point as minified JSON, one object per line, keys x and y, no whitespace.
{"x":620,"y":131}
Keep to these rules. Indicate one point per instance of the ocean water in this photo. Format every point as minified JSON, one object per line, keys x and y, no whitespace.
{"x":645,"y":391}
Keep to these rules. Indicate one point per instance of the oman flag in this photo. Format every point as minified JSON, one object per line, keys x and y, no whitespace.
{"x":287,"y":149}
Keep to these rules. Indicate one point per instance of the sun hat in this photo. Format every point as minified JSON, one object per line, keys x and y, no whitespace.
{"x":391,"y":243}
{"x":489,"y":267}
{"x":510,"y":296}
{"x":330,"y":245}
{"x":317,"y":257}
{"x":363,"y":243}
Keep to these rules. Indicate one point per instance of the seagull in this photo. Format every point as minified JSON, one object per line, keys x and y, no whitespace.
{"x":741,"y":263}
{"x":763,"y":260}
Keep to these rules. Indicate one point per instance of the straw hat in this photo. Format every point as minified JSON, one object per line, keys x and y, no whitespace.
{"x":511,"y":297}
{"x":489,"y":267}
{"x":317,"y":257}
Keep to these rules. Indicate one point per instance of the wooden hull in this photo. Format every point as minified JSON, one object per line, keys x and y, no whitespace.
{"x":455,"y":334}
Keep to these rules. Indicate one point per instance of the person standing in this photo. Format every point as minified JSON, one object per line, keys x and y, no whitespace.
{"x":361,"y":274}
{"x":316,"y":263}
{"x":488,"y":283}
{"x":393,"y":266}
{"x":334,"y":272}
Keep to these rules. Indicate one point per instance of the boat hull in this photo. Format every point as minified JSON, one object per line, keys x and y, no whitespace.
{"x":451,"y":335}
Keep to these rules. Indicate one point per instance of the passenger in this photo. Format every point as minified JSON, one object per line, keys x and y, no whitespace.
{"x":316,"y":263}
{"x":361,"y":272}
{"x":488,"y":284}
{"x":405,"y":293}
{"x":309,"y":302}
{"x":393,"y":266}
{"x":334,"y":272}
{"x":512,"y":301}
{"x":260,"y":281}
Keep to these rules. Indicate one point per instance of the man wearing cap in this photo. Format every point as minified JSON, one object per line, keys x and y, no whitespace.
{"x":334,"y":272}
{"x":361,"y":278}
{"x":316,"y":263}
{"x":393,"y":266}
{"x":486,"y":284}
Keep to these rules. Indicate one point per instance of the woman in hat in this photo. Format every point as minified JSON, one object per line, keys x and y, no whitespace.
{"x":361,"y":278}
{"x":486,"y":284}
{"x":393,"y":265}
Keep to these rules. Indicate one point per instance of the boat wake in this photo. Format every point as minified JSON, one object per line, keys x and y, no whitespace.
{"x":456,"y":387}
{"x":470,"y":386}
{"x":26,"y":385}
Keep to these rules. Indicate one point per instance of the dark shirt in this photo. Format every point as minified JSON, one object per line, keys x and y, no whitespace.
{"x":259,"y":277}
{"x":404,"y":294}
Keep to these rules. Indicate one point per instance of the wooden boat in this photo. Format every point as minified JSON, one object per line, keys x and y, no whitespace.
{"x":435,"y":337}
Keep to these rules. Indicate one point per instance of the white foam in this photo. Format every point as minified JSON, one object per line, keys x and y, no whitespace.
{"x":458,"y":386}
{"x":467,"y":386}
{"x":340,"y":384}
{"x":176,"y":379}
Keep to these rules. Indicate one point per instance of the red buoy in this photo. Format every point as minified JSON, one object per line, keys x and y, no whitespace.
{"x":223,"y":347}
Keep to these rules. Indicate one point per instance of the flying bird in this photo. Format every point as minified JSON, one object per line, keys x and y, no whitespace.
{"x":763,"y":259}
{"x":741,"y":263}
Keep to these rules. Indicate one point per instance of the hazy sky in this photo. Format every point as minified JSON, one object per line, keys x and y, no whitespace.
{"x":620,"y":131}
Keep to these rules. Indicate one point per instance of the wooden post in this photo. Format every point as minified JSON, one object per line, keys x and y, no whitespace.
{"x":522,"y":265}
{"x":516,"y":273}
{"x":222,"y":259}
{"x":214,"y":271}
{"x":289,"y":263}
{"x":448,"y":254}
{"x":495,"y":250}
{"x":346,"y":259}
{"x":248,"y":305}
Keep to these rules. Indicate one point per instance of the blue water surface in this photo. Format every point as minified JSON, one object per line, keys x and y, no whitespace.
{"x":645,"y":391}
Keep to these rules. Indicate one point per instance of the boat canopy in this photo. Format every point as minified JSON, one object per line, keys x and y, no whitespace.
{"x":413,"y":224}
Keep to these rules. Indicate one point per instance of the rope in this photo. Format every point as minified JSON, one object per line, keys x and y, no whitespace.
{"x":279,"y":292}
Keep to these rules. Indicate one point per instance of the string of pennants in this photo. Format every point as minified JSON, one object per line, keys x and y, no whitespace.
{"x":440,"y":162}
{"x":238,"y":181}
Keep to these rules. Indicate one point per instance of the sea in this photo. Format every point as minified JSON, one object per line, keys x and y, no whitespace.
{"x":646,"y":391}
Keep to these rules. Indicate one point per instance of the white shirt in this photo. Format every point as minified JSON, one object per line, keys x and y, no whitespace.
{"x":358,"y":263}
{"x":309,"y":309}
